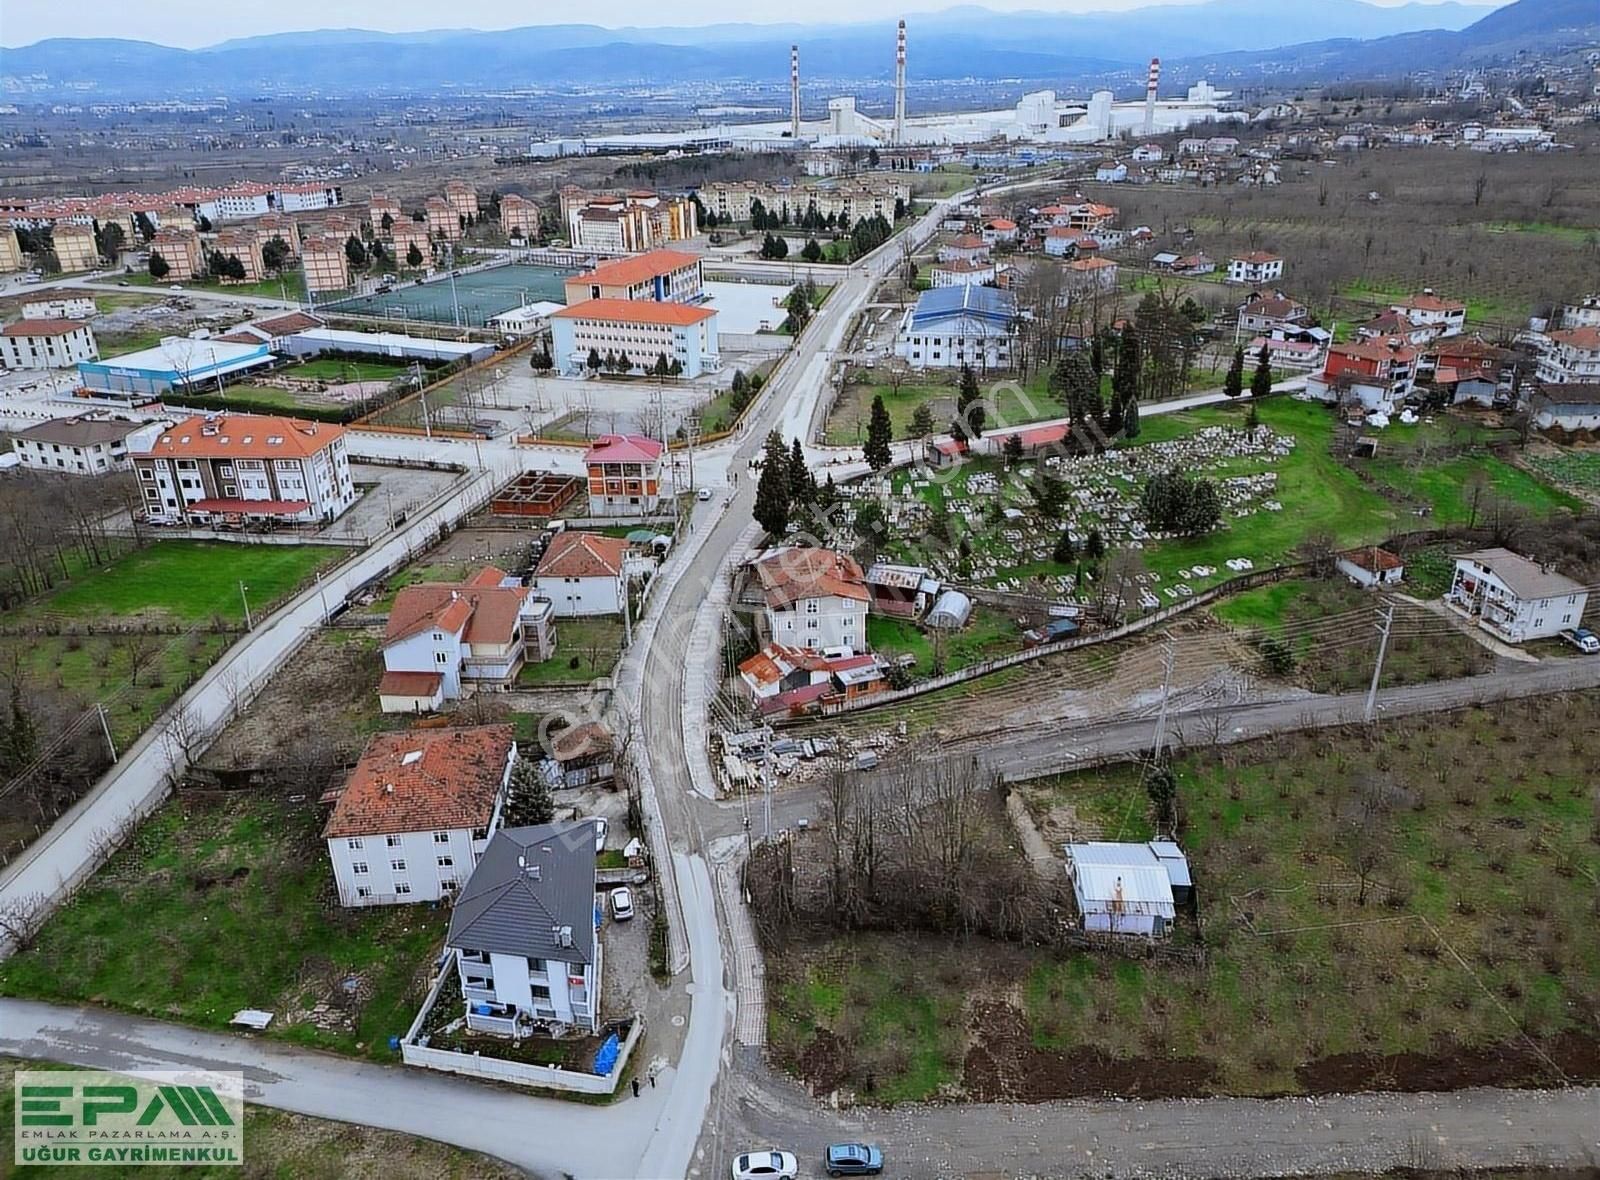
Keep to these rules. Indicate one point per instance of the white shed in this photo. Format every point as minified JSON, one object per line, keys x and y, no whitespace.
{"x":1131,"y":889}
{"x":951,"y":611}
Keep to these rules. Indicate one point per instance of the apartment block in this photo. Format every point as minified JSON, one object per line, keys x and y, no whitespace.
{"x":243,"y":244}
{"x":180,"y":250}
{"x":519,"y":217}
{"x":326,"y":266}
{"x":463,"y":198}
{"x":74,"y":246}
{"x":444,"y":223}
{"x":46,"y":344}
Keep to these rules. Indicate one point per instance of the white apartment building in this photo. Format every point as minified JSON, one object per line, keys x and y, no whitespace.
{"x":1430,"y":310}
{"x":1256,"y":268}
{"x":215,"y":467}
{"x":46,"y":344}
{"x":523,"y":931}
{"x":813,"y":599}
{"x":417,"y":812}
{"x":82,"y":446}
{"x":583,"y":574}
{"x":1569,"y":356}
{"x":1514,"y":598}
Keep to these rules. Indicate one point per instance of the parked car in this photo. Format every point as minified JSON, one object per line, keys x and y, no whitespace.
{"x":853,"y":1159}
{"x":1583,"y":639}
{"x":621,"y":903}
{"x":601,"y":827}
{"x":765,"y":1165}
{"x":703,"y":494}
{"x":123,"y":283}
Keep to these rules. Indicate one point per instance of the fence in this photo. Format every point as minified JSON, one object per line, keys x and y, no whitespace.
{"x":1142,"y":623}
{"x":499,"y":1069}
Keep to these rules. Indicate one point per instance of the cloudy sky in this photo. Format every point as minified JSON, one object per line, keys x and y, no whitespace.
{"x":192,"y":23}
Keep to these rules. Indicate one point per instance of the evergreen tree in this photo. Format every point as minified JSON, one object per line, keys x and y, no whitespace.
{"x":1094,"y":546}
{"x":204,"y":224}
{"x":355,"y":252}
{"x":1013,"y":448}
{"x":1051,"y":494}
{"x":811,"y":251}
{"x":593,"y":362}
{"x":771,"y":508}
{"x":1065,"y":552}
{"x":1097,"y":355}
{"x":970,"y":411}
{"x":158,"y":265}
{"x":624,"y":362}
{"x":388,"y":222}
{"x":1261,"y":379}
{"x":802,"y":487}
{"x":529,"y":800}
{"x":1233,"y":383}
{"x":798,"y":305}
{"x":414,"y":257}
{"x":1130,"y":419}
{"x":274,"y":253}
{"x":1125,"y":381}
{"x":880,"y":432}
{"x":922,"y":421}
{"x":20,"y":741}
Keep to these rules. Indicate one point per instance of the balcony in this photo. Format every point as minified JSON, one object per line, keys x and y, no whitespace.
{"x":504,"y":1026}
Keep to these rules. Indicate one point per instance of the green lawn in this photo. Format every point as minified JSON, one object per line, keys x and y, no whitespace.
{"x":291,"y":286}
{"x":1011,"y":404}
{"x":189,"y":581}
{"x":265,"y":398}
{"x":223,"y":903}
{"x":990,"y":632}
{"x":330,"y":368}
{"x":1475,"y":931}
{"x":585,"y":649}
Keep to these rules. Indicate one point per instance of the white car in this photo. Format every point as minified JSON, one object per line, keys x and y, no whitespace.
{"x":601,"y":827}
{"x":703,"y":494}
{"x":765,"y":1165}
{"x":621,"y":903}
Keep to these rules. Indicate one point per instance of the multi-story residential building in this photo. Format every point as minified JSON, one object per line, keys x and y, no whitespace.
{"x":446,"y":640}
{"x":637,"y":333}
{"x":90,"y":445}
{"x":812,"y":599}
{"x":1393,"y":324}
{"x":241,"y":243}
{"x":10,"y":248}
{"x":444,"y":223}
{"x":1264,"y":314}
{"x":381,"y":206}
{"x":180,"y":249}
{"x":1583,"y":314}
{"x":75,"y":247}
{"x":325,"y":264}
{"x":1514,"y":598}
{"x":954,"y":326}
{"x":1256,"y":268}
{"x":583,"y":574}
{"x":670,"y":276}
{"x":271,"y":226}
{"x":1376,"y":374}
{"x":1569,"y":356}
{"x":523,"y":931}
{"x":408,"y":233}
{"x":1090,"y":275}
{"x":999,"y":229}
{"x":964,"y":247}
{"x":519,"y":217}
{"x":865,"y":197}
{"x":1428,"y":309}
{"x":962,"y":273}
{"x":633,"y":221}
{"x":417,"y":813}
{"x":463,"y":198}
{"x":246,"y":466}
{"x":46,"y":344}
{"x":179,"y":206}
{"x":624,"y":475}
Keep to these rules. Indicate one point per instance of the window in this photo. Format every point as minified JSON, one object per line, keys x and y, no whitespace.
{"x":398,"y":866}
{"x":401,"y":888}
{"x":353,"y":842}
{"x":540,"y":992}
{"x":363,"y":891}
{"x":441,"y":657}
{"x":393,"y":841}
{"x":536,"y":965}
{"x":446,"y":862}
{"x":441,"y":837}
{"x":359,"y":868}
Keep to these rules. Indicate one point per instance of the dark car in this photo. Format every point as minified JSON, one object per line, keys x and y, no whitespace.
{"x":853,"y":1159}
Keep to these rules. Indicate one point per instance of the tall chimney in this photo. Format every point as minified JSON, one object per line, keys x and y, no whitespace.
{"x":1150,"y":96}
{"x":900,"y":85}
{"x":794,"y":92}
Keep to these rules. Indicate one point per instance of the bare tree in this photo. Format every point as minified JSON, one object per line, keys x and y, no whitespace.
{"x":21,"y":919}
{"x":182,"y":740}
{"x":140,"y":649}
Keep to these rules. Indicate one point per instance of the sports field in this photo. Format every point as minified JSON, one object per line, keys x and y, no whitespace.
{"x":480,"y":295}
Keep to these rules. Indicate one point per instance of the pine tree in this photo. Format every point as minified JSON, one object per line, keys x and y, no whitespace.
{"x":1125,"y":382}
{"x":771,"y":509}
{"x":922,"y":421}
{"x":880,"y":432}
{"x":970,"y":412}
{"x":413,"y":257}
{"x":1130,"y":419}
{"x":812,"y":250}
{"x":802,"y":488}
{"x":529,"y":800}
{"x":1013,"y":448}
{"x":158,"y":265}
{"x":1261,"y":379}
{"x":1094,"y":546}
{"x":1065,"y":551}
{"x":1233,"y":383}
{"x":1097,"y":355}
{"x":593,"y":362}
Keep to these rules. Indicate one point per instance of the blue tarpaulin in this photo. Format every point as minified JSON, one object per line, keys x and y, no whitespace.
{"x":599,"y":914}
{"x":606,"y":1059}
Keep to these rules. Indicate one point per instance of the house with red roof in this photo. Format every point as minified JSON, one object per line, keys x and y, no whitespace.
{"x":624,"y":473}
{"x":790,"y":681}
{"x":1376,"y":374}
{"x":417,"y":812}
{"x":583,"y":574}
{"x":964,"y":248}
{"x":999,"y":229}
{"x":1570,"y":356}
{"x":814,"y":599}
{"x":447,"y":640}
{"x":1449,"y":316}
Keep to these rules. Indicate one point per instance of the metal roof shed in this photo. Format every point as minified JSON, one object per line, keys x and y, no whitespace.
{"x":951,"y":611}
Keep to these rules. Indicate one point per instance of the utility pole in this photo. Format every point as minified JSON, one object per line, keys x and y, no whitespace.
{"x":105,"y":728}
{"x":244,"y":598}
{"x":1166,"y":693}
{"x":1377,"y":669}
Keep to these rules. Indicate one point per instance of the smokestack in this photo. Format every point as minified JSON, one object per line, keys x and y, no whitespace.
{"x":1150,"y":96}
{"x":900,"y":85}
{"x":794,"y":92}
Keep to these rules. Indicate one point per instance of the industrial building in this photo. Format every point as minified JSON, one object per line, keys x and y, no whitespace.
{"x":177,"y":363}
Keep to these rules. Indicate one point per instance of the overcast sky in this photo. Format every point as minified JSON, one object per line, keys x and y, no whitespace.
{"x":192,"y":23}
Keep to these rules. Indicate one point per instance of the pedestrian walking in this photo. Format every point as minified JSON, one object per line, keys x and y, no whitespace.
{"x":636,"y":1086}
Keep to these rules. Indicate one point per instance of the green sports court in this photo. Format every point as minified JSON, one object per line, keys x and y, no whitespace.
{"x":480,"y":294}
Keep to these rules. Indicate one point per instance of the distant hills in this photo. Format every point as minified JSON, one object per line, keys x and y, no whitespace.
{"x":1332,"y":37}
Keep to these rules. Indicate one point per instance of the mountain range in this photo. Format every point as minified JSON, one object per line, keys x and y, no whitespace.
{"x":1332,"y":38}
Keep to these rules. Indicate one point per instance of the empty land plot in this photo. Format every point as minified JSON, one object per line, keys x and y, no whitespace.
{"x":225,"y":900}
{"x":1469,"y":961}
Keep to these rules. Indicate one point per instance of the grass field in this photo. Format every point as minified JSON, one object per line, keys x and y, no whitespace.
{"x":585,"y":649}
{"x":1479,"y":862}
{"x":330,"y":368}
{"x":290,"y":287}
{"x":1013,"y":405}
{"x":226,"y":902}
{"x":278,"y":1144}
{"x":989,"y":632}
{"x":1575,"y":469}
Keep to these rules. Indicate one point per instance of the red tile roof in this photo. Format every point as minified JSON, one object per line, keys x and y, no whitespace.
{"x":285,"y":325}
{"x":42,"y":328}
{"x":623,"y":448}
{"x":1586,"y":339}
{"x":1258,"y":257}
{"x":423,"y":780}
{"x":1003,"y":224}
{"x":1373,"y":560}
{"x":790,"y":575}
{"x":1429,"y":302}
{"x":625,"y":272}
{"x":410,"y":684}
{"x":577,"y":554}
{"x":636,"y":311}
{"x":968,"y":242}
{"x":245,"y":436}
{"x":481,"y":613}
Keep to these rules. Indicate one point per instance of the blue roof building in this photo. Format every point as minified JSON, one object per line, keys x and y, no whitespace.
{"x":954,"y":326}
